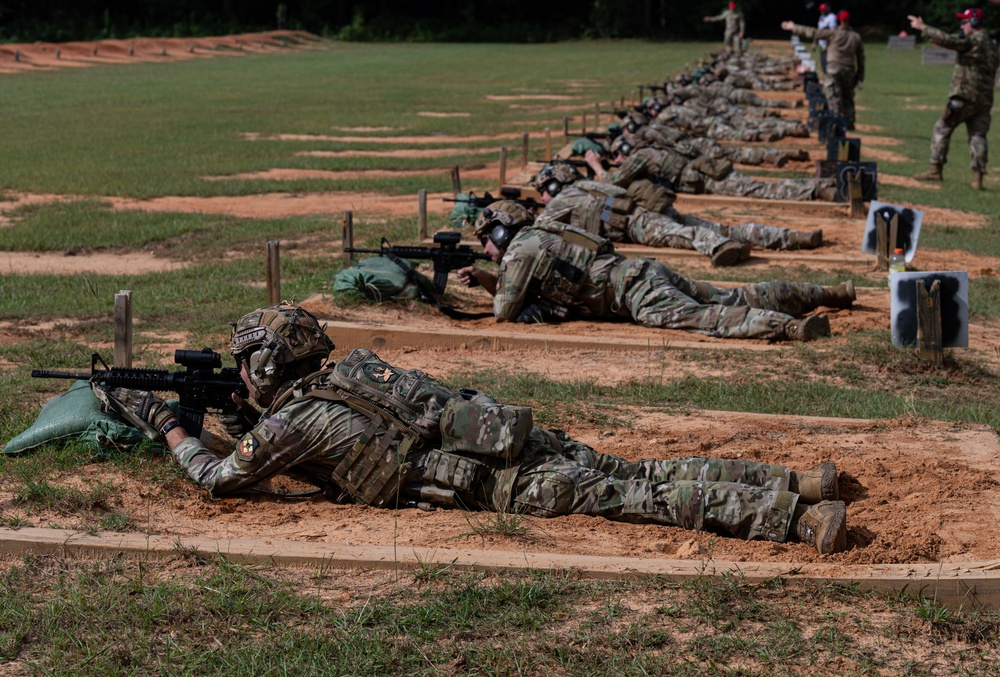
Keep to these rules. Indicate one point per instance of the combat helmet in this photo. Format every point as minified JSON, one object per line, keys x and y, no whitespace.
{"x":500,"y":222}
{"x":279,"y":342}
{"x":554,"y":177}
{"x":621,"y":145}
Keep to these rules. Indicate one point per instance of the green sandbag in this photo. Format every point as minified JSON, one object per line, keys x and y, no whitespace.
{"x":377,"y":278}
{"x":465,"y":213}
{"x":75,"y":414}
{"x":581,"y":146}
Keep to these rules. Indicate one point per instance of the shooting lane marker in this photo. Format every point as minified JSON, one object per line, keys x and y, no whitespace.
{"x":583,"y":124}
{"x":58,"y":53}
{"x":273,"y":273}
{"x":131,"y":50}
{"x":191,"y":48}
{"x":524,"y":150}
{"x":95,"y":50}
{"x":456,"y":182}
{"x":597,"y":116}
{"x":503,"y":168}
{"x":348,"y":237}
{"x":422,"y":213}
{"x":123,"y":329}
{"x":929,"y":334}
{"x":548,"y":145}
{"x":565,"y":129}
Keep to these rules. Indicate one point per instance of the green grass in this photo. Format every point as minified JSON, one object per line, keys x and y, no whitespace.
{"x":114,"y":616}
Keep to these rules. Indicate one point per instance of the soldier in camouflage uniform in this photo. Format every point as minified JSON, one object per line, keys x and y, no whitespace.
{"x":732,"y":39}
{"x":693,"y":172}
{"x":970,"y":98}
{"x":369,"y":432}
{"x":644,"y":214}
{"x":845,"y":62}
{"x":551,"y":271}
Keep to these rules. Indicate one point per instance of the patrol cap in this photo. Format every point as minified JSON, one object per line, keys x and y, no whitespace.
{"x":824,"y":7}
{"x":844,"y":16}
{"x":973,"y":14}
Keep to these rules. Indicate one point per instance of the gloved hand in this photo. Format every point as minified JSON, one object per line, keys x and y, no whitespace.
{"x":241,"y":422}
{"x":531,"y":314}
{"x":144,"y":405}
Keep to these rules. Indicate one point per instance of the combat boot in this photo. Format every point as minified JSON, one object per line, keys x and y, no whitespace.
{"x":807,"y":329}
{"x":801,"y":155}
{"x":932,"y":174}
{"x":841,"y":296}
{"x":827,"y":193}
{"x":823,"y":526}
{"x":977,"y":181}
{"x":815,"y":486}
{"x":810,"y":240}
{"x":729,"y":253}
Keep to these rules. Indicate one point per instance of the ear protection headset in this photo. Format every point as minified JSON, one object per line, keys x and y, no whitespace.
{"x":502,"y":228}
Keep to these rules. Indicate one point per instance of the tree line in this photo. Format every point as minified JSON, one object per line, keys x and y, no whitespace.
{"x":446,"y":20}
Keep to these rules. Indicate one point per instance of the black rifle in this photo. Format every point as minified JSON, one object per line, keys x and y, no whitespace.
{"x":448,"y":257}
{"x":596,"y":136}
{"x":199,"y":387}
{"x":505,"y":194}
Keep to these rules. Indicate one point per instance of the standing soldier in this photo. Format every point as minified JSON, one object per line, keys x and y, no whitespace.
{"x":827,"y":21}
{"x":735,"y":28}
{"x":845,"y":62}
{"x":971,"y":95}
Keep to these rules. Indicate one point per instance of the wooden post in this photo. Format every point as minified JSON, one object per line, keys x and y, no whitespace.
{"x":597,"y":117}
{"x":456,"y":182}
{"x":123,"y":329}
{"x":929,"y":340}
{"x":565,"y":129}
{"x":548,"y":145}
{"x":273,"y":273}
{"x":503,"y":168}
{"x":641,"y":89}
{"x":422,"y":214}
{"x":856,"y":195}
{"x":583,"y":123}
{"x":885,"y":239}
{"x":348,"y":236}
{"x":843,"y":150}
{"x":623,"y":102}
{"x":524,"y":150}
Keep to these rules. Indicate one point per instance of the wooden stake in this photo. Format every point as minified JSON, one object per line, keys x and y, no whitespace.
{"x":929,"y":339}
{"x":123,"y":329}
{"x":421,"y":214}
{"x":273,"y":273}
{"x":548,"y":145}
{"x":565,"y":129}
{"x":524,"y":150}
{"x":503,"y":168}
{"x":348,"y":236}
{"x":456,"y":182}
{"x":885,"y":239}
{"x":597,"y":117}
{"x":583,"y":123}
{"x":856,"y":195}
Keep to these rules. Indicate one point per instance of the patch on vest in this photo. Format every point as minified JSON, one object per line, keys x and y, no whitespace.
{"x":380,"y":373}
{"x":247,"y":447}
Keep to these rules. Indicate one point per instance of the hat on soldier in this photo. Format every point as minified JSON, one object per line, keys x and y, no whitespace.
{"x":553,"y":177}
{"x":974,"y":15}
{"x":500,"y":221}
{"x":824,"y":7}
{"x":275,"y":337}
{"x":732,"y":5}
{"x":844,"y":17}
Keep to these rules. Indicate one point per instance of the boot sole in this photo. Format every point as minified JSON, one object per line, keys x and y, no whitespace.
{"x":812,"y":328}
{"x":836,"y":536}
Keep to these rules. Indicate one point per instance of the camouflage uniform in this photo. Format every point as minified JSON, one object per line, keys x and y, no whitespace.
{"x":970,"y":97}
{"x":586,"y":205}
{"x":564,"y":270}
{"x":735,"y":27}
{"x":747,"y":79}
{"x":845,"y":66}
{"x":704,"y":175}
{"x":659,"y":135}
{"x":552,"y":474}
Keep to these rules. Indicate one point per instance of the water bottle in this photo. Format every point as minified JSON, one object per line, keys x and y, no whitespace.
{"x":897,"y":262}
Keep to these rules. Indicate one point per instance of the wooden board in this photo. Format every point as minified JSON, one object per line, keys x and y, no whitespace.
{"x":968,"y":584}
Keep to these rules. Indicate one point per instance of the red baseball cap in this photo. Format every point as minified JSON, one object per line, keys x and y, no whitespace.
{"x":971,"y":13}
{"x":732,"y":5}
{"x":844,"y":17}
{"x":824,"y":7}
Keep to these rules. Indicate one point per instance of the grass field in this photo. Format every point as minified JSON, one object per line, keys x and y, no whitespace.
{"x":150,"y":130}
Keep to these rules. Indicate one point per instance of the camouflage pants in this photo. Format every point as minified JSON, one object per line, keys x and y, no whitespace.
{"x":656,"y":296}
{"x":744,"y":499}
{"x":751,"y":232}
{"x":687,"y":231}
{"x":755,"y":155}
{"x":977,"y":121}
{"x":732,"y":43}
{"x":838,"y":85}
{"x":741,"y":185}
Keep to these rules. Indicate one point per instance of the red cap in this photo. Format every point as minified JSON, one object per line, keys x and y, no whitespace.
{"x":732,"y":5}
{"x":824,"y":7}
{"x":971,"y":13}
{"x":844,"y":17}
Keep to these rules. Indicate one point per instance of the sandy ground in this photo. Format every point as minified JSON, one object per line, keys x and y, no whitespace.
{"x":909,"y":482}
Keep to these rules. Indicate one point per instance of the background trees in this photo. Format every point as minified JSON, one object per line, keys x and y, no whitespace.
{"x":444,"y":20}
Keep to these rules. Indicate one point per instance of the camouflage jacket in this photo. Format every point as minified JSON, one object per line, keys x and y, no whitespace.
{"x":648,"y":163}
{"x":560,"y":267}
{"x":845,"y":49}
{"x":582,"y":204}
{"x":734,"y":20}
{"x":973,"y":79}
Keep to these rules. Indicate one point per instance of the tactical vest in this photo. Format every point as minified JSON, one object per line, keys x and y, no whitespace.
{"x":408,"y":409}
{"x":561,"y":272}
